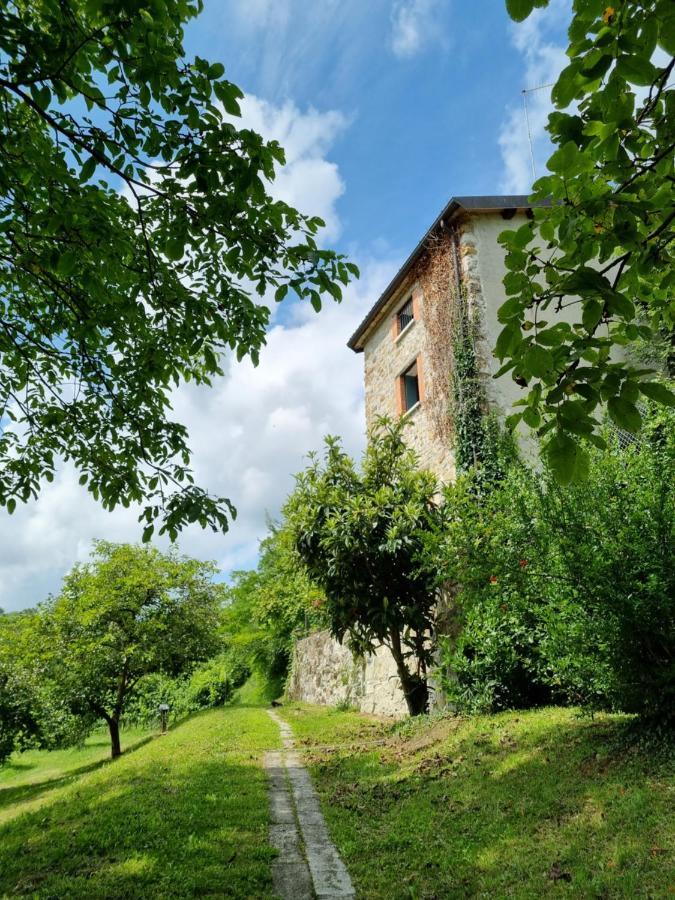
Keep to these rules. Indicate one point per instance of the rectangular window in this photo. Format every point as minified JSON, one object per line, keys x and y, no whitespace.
{"x":411,"y":387}
{"x":405,"y":315}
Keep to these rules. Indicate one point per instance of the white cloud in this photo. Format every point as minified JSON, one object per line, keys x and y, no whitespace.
{"x":308,"y":181}
{"x":543,"y":62}
{"x":414,"y":23}
{"x":251,"y":431}
{"x":288,"y":45}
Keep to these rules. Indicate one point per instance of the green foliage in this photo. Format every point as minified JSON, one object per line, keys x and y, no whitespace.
{"x":17,"y":719}
{"x":480,"y":444}
{"x":468,"y":396}
{"x":137,"y":236}
{"x":567,"y":593}
{"x":32,"y":714}
{"x":269,"y":607}
{"x":360,"y":536}
{"x":129,"y":613}
{"x":602,"y":244}
{"x":208,"y":685}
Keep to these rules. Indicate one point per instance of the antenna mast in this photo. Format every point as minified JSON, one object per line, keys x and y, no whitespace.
{"x":525,"y":92}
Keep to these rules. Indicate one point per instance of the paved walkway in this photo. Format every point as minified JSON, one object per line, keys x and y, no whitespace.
{"x":308,"y":865}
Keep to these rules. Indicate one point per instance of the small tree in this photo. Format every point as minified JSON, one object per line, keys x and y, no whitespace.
{"x":360,"y":535}
{"x":130,"y":612}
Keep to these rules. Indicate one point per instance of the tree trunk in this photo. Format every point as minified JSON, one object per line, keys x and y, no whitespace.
{"x":114,"y":728}
{"x":415,"y":689}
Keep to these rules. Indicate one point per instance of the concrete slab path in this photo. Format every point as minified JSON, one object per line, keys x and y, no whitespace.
{"x":308,"y":865}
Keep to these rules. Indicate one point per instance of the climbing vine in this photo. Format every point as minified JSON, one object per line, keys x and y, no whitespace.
{"x":480,"y":443}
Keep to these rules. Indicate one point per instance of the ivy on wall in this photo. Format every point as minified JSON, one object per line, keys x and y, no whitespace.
{"x":480,"y":443}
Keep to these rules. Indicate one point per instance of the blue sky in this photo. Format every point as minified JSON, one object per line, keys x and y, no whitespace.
{"x":386,"y":108}
{"x":425,"y":86}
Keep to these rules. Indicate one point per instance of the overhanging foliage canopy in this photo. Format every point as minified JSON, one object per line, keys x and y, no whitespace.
{"x":604,"y":246}
{"x":137,"y":236}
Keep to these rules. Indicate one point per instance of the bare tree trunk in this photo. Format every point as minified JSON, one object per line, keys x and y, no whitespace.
{"x":415,"y":689}
{"x":114,"y":729}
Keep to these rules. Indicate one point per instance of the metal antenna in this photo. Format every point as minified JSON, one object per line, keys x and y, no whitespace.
{"x":525,"y":92}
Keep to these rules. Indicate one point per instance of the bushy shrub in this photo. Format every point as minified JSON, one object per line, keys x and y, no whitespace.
{"x":494,"y":660}
{"x":210,"y":684}
{"x":566,"y":593}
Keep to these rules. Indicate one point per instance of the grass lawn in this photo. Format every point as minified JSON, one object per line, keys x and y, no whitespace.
{"x":30,"y":779}
{"x":527,"y":805}
{"x":184,"y":815}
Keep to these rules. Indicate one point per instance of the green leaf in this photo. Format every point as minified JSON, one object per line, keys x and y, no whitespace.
{"x":624,"y":414}
{"x":538,"y":361}
{"x":567,"y":86}
{"x":658,"y":392}
{"x":519,"y":10}
{"x":592,"y":314}
{"x":507,"y":338}
{"x":67,"y":262}
{"x":636,"y":70}
{"x":174,"y":249}
{"x":532,"y":417}
{"x":88,"y":169}
{"x":562,"y":452}
{"x":619,"y":305}
{"x":216,"y":70}
{"x":667,"y":32}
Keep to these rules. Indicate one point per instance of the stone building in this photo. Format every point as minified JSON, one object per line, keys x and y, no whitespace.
{"x":406,"y":337}
{"x":407,"y":340}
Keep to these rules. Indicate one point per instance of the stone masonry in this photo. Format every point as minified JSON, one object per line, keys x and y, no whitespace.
{"x":325,"y":672}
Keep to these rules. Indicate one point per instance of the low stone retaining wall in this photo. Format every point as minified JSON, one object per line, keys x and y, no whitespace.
{"x":324,"y":672}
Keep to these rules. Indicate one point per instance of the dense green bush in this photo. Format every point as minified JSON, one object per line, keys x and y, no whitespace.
{"x":210,"y":684}
{"x":566,"y":593}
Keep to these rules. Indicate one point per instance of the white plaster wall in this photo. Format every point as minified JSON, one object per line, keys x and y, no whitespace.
{"x":487,"y":265}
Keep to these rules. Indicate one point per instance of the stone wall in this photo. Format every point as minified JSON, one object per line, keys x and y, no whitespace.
{"x":325,"y":672}
{"x":433,"y":285}
{"x":387,"y":355}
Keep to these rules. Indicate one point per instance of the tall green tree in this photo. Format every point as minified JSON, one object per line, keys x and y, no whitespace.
{"x":130,"y":612}
{"x":361,"y":536}
{"x":602,"y":245}
{"x":137,"y":236}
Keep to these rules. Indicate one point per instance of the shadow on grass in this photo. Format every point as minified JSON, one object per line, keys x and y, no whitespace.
{"x":171,"y":822}
{"x":508,"y":811}
{"x":21,"y":793}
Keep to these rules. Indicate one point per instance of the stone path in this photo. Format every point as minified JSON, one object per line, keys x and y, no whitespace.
{"x":308,"y":865}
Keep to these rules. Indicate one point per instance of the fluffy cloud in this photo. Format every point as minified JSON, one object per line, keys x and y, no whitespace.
{"x":308,"y":181}
{"x":251,"y":431}
{"x":543,"y":62}
{"x":414,"y":23}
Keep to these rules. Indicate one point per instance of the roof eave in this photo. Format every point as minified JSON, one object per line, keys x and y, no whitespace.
{"x":468,"y":204}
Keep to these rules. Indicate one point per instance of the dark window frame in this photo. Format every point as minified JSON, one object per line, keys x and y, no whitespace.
{"x":410,"y":393}
{"x":405,"y":315}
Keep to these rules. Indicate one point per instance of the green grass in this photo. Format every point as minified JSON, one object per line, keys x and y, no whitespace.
{"x":185,"y":815}
{"x":526,"y":805}
{"x":30,"y":779}
{"x":258,"y":691}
